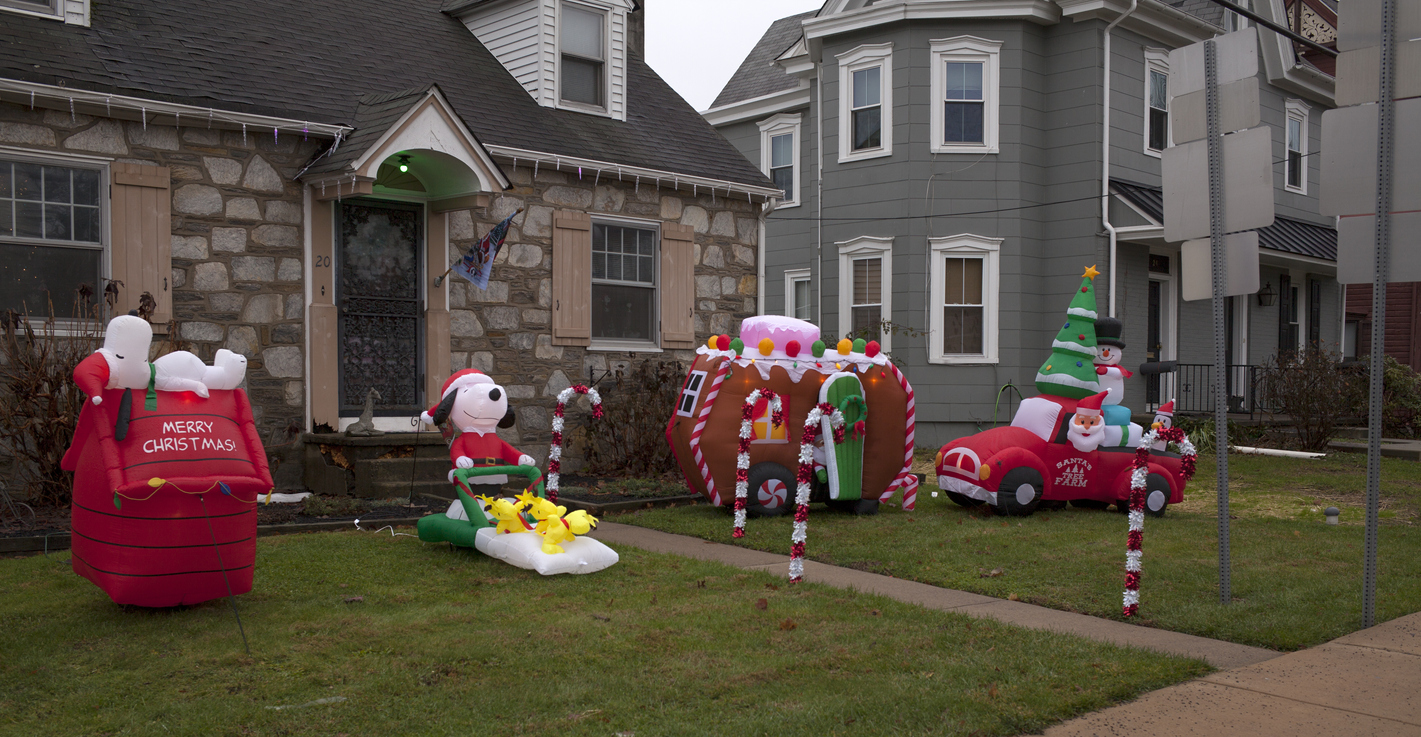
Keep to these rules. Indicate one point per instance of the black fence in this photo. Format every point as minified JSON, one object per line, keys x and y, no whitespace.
{"x":1191,"y":386}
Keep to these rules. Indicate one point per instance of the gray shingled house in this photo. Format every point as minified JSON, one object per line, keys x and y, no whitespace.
{"x":945,"y":171}
{"x":288,"y":179}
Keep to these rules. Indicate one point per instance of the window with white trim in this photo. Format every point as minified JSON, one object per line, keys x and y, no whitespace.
{"x":779,"y":155}
{"x":965,"y":82}
{"x":47,"y":8}
{"x":51,"y":234}
{"x":1235,"y":22}
{"x":582,"y":56}
{"x":866,"y":102}
{"x":797,"y":295}
{"x":686,"y":405}
{"x":1156,"y":101}
{"x":866,"y":287}
{"x":624,"y":271}
{"x":963,"y":315}
{"x":1295,"y":167}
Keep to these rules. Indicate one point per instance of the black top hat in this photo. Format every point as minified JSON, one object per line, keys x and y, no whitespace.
{"x":1107,"y":332}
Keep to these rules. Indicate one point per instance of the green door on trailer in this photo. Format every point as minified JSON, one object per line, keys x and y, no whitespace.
{"x":845,"y":463}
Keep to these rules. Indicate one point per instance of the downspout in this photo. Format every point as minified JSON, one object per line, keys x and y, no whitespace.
{"x":1105,"y":153}
{"x":819,"y":198}
{"x":765,"y":210}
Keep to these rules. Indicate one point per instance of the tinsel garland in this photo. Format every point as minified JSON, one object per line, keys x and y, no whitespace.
{"x":812,"y":429}
{"x":555,"y":452}
{"x":742,"y":455}
{"x":1134,"y":541}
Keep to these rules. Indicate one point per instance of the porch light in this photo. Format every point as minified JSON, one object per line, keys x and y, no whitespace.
{"x":404,"y":163}
{"x":1266,"y":296}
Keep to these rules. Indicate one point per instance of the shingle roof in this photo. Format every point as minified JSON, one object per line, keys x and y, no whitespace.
{"x":758,"y":76}
{"x":315,"y":59}
{"x":1285,"y":234}
{"x":373,"y":116}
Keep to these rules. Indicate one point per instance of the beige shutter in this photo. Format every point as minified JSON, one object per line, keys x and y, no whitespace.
{"x":572,"y":278}
{"x":141,"y":250}
{"x":678,"y":286}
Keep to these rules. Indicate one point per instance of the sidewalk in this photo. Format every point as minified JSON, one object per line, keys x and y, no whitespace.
{"x":1361,"y":684}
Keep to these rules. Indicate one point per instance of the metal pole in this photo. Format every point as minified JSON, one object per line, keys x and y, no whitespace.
{"x":1385,"y":110}
{"x":1216,"y":250}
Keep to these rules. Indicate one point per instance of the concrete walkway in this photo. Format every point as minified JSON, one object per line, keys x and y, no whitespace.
{"x":1361,"y":684}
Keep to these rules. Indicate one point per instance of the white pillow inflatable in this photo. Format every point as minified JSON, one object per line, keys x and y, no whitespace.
{"x":525,"y":550}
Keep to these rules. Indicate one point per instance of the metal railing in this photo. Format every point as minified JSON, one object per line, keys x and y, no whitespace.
{"x":1191,"y":386}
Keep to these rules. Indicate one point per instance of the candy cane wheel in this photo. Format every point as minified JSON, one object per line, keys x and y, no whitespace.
{"x":771,"y":489}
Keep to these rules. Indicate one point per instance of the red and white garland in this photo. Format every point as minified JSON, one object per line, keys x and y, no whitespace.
{"x":742,"y":456}
{"x":812,"y":429}
{"x":1141,"y":471}
{"x":555,"y":453}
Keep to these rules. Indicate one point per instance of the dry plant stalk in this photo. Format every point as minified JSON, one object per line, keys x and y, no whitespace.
{"x":630,"y":439}
{"x":39,"y":401}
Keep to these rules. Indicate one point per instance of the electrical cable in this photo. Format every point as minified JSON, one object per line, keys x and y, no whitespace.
{"x":231,"y":598}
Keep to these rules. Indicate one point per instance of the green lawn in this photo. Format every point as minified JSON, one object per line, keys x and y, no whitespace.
{"x":1297,"y":582}
{"x":447,"y":641}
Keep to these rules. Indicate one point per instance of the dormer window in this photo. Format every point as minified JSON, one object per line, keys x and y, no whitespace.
{"x":583,"y":56}
{"x":569,"y":54}
{"x":73,"y":12}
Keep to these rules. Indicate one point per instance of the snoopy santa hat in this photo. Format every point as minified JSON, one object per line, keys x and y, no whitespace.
{"x":459,"y":380}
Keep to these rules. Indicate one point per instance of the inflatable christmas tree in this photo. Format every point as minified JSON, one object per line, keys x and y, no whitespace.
{"x":1070,"y":371}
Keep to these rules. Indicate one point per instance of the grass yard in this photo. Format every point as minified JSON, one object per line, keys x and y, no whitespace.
{"x":1296,"y":581}
{"x":446,"y":641}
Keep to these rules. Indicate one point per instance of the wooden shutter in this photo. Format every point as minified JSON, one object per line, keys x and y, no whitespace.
{"x":141,"y":251}
{"x":678,"y":286}
{"x":572,"y":278}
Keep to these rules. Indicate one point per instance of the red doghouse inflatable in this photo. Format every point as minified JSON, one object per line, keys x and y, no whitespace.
{"x":163,"y":515}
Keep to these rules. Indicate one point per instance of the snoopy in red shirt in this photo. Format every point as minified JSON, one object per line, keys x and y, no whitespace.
{"x":478,"y":407}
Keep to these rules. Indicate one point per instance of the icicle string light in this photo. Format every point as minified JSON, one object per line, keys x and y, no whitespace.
{"x":244,"y":134}
{"x":143,"y":113}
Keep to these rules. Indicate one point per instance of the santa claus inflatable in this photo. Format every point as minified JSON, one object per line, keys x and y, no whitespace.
{"x":1087,"y":430}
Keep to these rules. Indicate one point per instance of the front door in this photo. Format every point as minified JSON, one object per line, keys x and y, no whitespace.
{"x":378,"y":277}
{"x":1153,"y":340}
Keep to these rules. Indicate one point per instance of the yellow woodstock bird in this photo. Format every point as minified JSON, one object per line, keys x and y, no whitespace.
{"x":509,"y":515}
{"x":564,"y":529}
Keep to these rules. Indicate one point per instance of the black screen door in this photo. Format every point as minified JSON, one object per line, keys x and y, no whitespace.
{"x":1153,"y":341}
{"x":381,"y":319}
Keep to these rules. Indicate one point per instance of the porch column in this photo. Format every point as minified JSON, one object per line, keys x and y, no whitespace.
{"x":436,"y":305}
{"x":325,"y":365}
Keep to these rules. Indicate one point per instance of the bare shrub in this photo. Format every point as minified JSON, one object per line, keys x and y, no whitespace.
{"x":1312,"y":389}
{"x":630,"y":439}
{"x":1401,"y":397}
{"x":39,"y":401}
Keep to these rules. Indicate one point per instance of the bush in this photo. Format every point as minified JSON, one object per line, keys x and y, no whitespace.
{"x":1401,"y":397}
{"x":1311,"y":388}
{"x":39,"y":401}
{"x":630,"y":439}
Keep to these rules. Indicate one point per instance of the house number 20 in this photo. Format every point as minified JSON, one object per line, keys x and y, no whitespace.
{"x":323,"y":261}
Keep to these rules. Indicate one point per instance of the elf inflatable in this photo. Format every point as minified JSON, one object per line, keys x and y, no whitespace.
{"x":165,"y":485}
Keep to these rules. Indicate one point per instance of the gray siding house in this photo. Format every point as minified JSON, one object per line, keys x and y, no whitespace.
{"x":946,"y":183}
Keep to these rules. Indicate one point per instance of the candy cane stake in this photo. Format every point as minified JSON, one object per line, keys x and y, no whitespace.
{"x":555,"y":452}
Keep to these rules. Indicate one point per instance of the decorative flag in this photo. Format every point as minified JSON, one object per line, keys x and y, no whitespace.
{"x":478,"y":262}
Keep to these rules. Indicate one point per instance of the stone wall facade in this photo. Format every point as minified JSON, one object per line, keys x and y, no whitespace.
{"x":505,"y":331}
{"x":238,"y":271}
{"x":237,"y":252}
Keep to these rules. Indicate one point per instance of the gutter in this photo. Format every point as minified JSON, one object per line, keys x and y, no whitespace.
{"x":102,"y":104}
{"x":624,"y":172}
{"x":1105,"y":153}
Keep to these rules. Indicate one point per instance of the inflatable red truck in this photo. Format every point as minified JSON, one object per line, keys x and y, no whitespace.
{"x":166,"y":480}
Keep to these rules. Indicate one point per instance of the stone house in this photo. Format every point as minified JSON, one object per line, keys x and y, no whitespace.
{"x":952,"y":168}
{"x":287,"y":180}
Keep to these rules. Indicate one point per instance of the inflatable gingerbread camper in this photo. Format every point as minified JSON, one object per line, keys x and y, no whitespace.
{"x":785,"y":357}
{"x":166,"y":480}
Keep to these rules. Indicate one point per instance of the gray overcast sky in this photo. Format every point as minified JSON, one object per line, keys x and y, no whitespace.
{"x":695,"y":45}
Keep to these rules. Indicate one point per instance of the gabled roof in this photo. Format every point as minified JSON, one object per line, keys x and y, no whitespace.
{"x":317,"y":59}
{"x":758,"y":75}
{"x":1285,"y":234}
{"x":373,"y":117}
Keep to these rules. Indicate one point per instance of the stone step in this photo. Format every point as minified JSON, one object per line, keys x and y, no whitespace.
{"x":388,"y":489}
{"x":401,"y":470}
